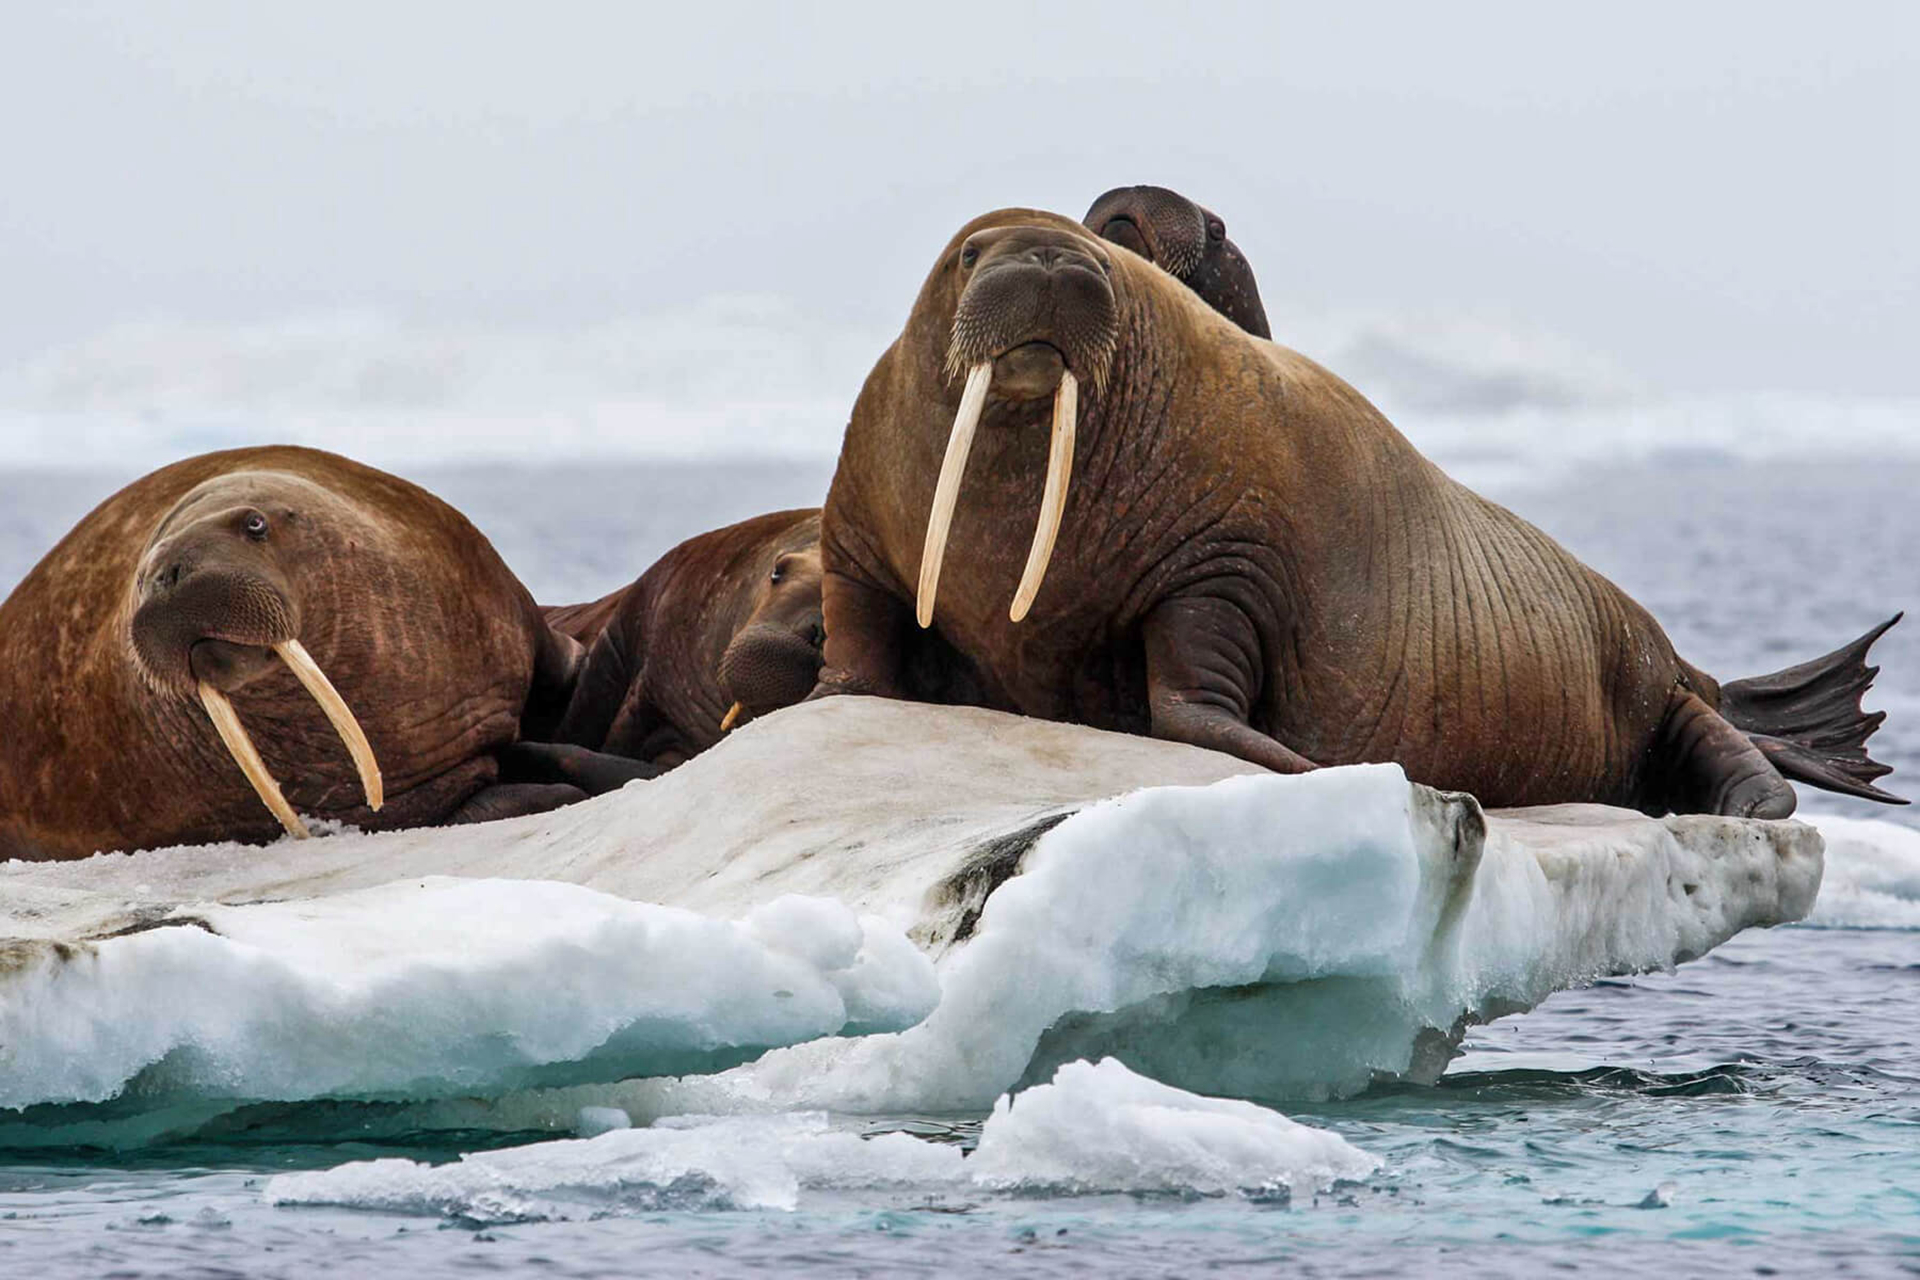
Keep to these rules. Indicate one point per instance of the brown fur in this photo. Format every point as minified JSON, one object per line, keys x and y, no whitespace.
{"x":432,"y":641}
{"x":704,"y":627}
{"x":1252,"y":559}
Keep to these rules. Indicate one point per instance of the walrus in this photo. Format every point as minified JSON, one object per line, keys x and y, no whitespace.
{"x":1235,"y":549}
{"x":620,"y":706}
{"x":725,"y":627}
{"x":1186,"y":240}
{"x":247,"y":637}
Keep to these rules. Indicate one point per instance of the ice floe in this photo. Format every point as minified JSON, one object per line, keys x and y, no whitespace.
{"x":1100,"y":1127}
{"x":1079,"y":894}
{"x":1873,"y":875}
{"x":440,"y":986}
{"x":1095,"y":1128}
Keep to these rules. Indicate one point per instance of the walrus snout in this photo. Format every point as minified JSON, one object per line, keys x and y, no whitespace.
{"x":767,"y":666}
{"x":182,"y":607}
{"x":211,"y":630}
{"x":1029,"y":285}
{"x":229,"y":667}
{"x":1030,"y":371}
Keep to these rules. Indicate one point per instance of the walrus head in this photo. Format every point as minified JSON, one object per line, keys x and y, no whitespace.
{"x":1036,"y":315}
{"x":217,"y":605}
{"x":1186,"y":240}
{"x":774,"y":659}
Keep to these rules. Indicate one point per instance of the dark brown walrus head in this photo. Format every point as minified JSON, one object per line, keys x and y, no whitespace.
{"x":1186,"y":240}
{"x":774,"y":659}
{"x":217,"y":604}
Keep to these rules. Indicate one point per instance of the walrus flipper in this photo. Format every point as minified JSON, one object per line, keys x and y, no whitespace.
{"x":1808,"y":720}
{"x":1705,"y":764}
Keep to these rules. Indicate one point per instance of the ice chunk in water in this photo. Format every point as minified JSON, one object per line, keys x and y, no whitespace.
{"x":1093,"y":1129}
{"x":1103,"y":1128}
{"x":1873,"y":875}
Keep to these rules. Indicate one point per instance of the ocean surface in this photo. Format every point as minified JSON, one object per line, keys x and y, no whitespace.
{"x":1755,"y":1113}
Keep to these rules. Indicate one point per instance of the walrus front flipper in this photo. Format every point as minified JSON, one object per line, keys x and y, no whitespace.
{"x":1809,"y":723}
{"x":513,"y":800}
{"x":1704,"y":764}
{"x":593,"y":772}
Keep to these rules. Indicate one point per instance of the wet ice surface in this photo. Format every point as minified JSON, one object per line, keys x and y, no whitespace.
{"x":1763,"y":1102}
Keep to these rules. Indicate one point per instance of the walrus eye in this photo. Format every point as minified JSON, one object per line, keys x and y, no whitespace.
{"x":969,"y":255}
{"x":778,"y":573}
{"x":1216,"y":229}
{"x":256,"y":526}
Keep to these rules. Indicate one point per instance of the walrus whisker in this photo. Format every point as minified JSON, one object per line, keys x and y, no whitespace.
{"x":732,"y":717}
{"x":234,"y":734}
{"x":308,"y":672}
{"x":1053,"y":500}
{"x":973,"y":402}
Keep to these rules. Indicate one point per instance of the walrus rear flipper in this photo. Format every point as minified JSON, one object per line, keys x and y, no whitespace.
{"x":1808,"y":721}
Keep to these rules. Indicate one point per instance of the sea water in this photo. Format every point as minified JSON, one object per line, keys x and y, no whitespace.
{"x":1756,"y":1112}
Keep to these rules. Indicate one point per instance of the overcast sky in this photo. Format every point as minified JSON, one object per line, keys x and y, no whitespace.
{"x":1716,"y":197}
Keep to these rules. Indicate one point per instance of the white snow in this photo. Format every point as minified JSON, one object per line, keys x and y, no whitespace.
{"x":442,"y":986}
{"x":1240,"y":934}
{"x":1103,"y":1128}
{"x":1873,"y":875}
{"x":1093,"y":1129}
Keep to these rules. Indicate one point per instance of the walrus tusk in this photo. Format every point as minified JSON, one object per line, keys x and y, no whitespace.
{"x":295,"y":655}
{"x":732,"y":717}
{"x":240,"y":746}
{"x":1053,"y":500}
{"x":973,"y":401}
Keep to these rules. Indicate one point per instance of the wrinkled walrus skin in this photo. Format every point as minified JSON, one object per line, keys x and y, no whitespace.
{"x":1250,"y":557}
{"x":729,"y":617}
{"x":183,"y":578}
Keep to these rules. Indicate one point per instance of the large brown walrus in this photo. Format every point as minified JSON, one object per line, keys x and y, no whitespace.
{"x":247,"y":637}
{"x":1235,"y":549}
{"x":650,"y":683}
{"x":724,"y":627}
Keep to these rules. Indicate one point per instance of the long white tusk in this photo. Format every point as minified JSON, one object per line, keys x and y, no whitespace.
{"x":1053,"y":500}
{"x":973,"y":400}
{"x":295,"y":655}
{"x":240,"y":746}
